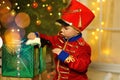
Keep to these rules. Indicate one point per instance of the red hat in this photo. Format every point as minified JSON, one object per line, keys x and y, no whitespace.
{"x":76,"y":15}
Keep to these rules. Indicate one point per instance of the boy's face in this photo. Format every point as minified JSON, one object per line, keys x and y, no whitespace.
{"x":68,"y":31}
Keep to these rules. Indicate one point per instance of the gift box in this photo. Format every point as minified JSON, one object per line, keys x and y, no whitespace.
{"x":24,"y":61}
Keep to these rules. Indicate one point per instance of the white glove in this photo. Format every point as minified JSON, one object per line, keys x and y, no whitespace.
{"x":34,"y":41}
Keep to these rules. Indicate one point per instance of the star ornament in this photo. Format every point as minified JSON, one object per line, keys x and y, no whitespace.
{"x":1,"y":42}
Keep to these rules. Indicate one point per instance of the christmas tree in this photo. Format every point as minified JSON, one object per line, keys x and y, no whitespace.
{"x":30,"y":15}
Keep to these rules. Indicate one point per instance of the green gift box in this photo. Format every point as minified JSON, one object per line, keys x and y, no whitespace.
{"x":25,"y":62}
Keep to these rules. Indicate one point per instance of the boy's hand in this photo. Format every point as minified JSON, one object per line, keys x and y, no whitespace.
{"x":33,"y":42}
{"x":56,"y":50}
{"x":31,"y":35}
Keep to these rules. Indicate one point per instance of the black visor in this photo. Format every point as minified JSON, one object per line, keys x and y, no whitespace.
{"x":60,"y":21}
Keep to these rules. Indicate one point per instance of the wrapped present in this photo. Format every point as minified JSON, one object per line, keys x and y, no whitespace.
{"x":42,"y":66}
{"x":24,"y":61}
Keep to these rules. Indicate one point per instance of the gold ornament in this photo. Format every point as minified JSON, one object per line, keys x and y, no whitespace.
{"x":43,"y":0}
{"x":34,"y":4}
{"x":49,"y":8}
{"x":38,"y":22}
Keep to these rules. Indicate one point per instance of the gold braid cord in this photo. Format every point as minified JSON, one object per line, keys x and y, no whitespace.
{"x":69,"y":59}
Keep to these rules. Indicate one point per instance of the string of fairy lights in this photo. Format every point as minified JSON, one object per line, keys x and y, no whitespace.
{"x":100,"y":31}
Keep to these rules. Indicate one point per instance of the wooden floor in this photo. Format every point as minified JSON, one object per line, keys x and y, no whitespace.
{"x":43,"y":76}
{"x":13,"y":78}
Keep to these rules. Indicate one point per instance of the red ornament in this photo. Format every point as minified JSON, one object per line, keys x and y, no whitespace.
{"x":49,"y":8}
{"x":34,"y":4}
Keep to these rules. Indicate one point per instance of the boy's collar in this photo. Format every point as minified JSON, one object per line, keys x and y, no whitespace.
{"x":74,"y":38}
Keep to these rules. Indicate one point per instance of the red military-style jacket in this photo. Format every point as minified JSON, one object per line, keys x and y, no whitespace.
{"x":79,"y":49}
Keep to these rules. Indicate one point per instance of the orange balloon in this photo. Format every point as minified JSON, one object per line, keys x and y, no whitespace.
{"x":22,"y":20}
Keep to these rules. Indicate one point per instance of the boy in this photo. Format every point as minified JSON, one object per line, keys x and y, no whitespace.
{"x":71,"y":52}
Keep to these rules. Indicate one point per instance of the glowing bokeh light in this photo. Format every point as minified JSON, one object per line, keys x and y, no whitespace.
{"x":1,"y":42}
{"x":7,"y":18}
{"x":12,"y":39}
{"x":22,"y":19}
{"x":106,"y":52}
{"x":93,"y":33}
{"x":51,"y":14}
{"x":102,"y":23}
{"x":5,"y":6}
{"x":101,"y":30}
{"x":59,"y":13}
{"x":97,"y":29}
{"x":28,"y":5}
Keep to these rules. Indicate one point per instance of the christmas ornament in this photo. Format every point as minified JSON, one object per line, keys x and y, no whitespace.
{"x":43,"y":0}
{"x":49,"y":8}
{"x":13,"y":13}
{"x":38,"y":22}
{"x":1,"y":42}
{"x":22,"y":20}
{"x":34,"y":4}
